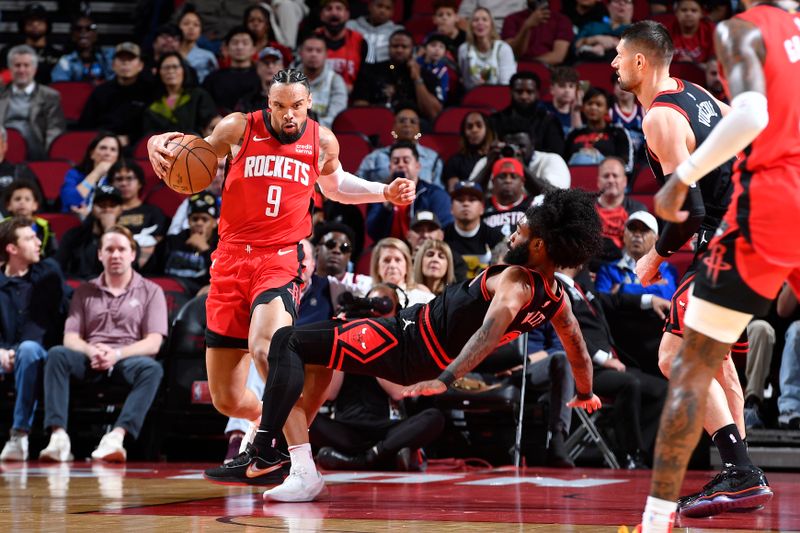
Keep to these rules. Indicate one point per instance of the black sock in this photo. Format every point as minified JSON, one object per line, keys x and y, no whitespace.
{"x":732,"y":449}
{"x":264,"y":441}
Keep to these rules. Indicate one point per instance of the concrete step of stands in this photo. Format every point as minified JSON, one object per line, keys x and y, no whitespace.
{"x":774,"y":449}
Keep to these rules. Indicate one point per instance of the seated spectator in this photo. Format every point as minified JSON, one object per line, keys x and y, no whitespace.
{"x":10,"y":172}
{"x":445,"y":19}
{"x":628,"y":113}
{"x":347,"y":48}
{"x":433,"y":265}
{"x":258,"y":20}
{"x":714,"y":82}
{"x":29,"y":107}
{"x":500,"y":9}
{"x":598,"y":139}
{"x":398,"y":81}
{"x":509,"y":202}
{"x":80,"y":181}
{"x":187,"y":255}
{"x":613,"y":205}
{"x":114,"y":329}
{"x":760,"y":348}
{"x":542,"y":170}
{"x":434,"y":60}
{"x":526,"y":114}
{"x":201,"y":60}
{"x":227,"y":84}
{"x":180,"y":220}
{"x":567,"y":99}
{"x":32,"y":303}
{"x":334,"y":250}
{"x":330,"y":93}
{"x":426,"y":226}
{"x":789,"y":399}
{"x":598,"y":40}
{"x":34,"y":29}
{"x":77,"y":254}
{"x":538,"y":34}
{"x":639,"y":237}
{"x":583,"y":12}
{"x":638,"y":397}
{"x":89,"y":62}
{"x":388,"y":219}
{"x":22,"y":200}
{"x":179,"y":104}
{"x":167,"y":39}
{"x":376,"y":165}
{"x":147,"y":223}
{"x":269,"y":63}
{"x":477,"y":137}
{"x":376,"y":27}
{"x":692,"y":34}
{"x":484,"y":59}
{"x":391,"y":263}
{"x":117,"y":105}
{"x":467,"y":235}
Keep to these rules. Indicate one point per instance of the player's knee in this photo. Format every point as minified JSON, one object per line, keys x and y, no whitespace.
{"x":665,"y":358}
{"x":226,"y":401}
{"x":280,"y":344}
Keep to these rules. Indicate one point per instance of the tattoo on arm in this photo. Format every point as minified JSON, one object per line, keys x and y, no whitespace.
{"x":569,"y":331}
{"x":481,"y":344}
{"x":741,"y":52}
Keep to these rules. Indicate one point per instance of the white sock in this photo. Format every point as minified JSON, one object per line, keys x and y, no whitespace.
{"x":659,"y":515}
{"x":301,"y":457}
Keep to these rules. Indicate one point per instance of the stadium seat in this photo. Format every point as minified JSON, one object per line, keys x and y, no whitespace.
{"x":61,"y":223}
{"x":541,"y":70}
{"x":74,"y":95}
{"x":51,"y":176}
{"x":584,"y":177}
{"x":165,"y":199}
{"x":646,"y":199}
{"x":175,"y":294}
{"x":353,"y":148}
{"x":641,"y":10}
{"x":421,"y":7}
{"x":689,"y":72}
{"x":496,"y":96}
{"x":597,"y":74}
{"x":449,"y":120}
{"x":374,"y":121}
{"x":445,"y":144}
{"x":681,"y":261}
{"x":420,"y":25}
{"x":71,"y":145}
{"x":140,"y":150}
{"x":151,"y":181}
{"x":362,"y":267}
{"x":17,"y":146}
{"x":645,"y":181}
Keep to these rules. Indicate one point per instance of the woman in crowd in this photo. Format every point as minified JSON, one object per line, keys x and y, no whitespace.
{"x":391,"y":263}
{"x":433,"y":265}
{"x":201,"y":60}
{"x":256,"y":19}
{"x":477,"y":137}
{"x":81,"y":180}
{"x":179,"y":105}
{"x":598,"y":139}
{"x":485,"y":59}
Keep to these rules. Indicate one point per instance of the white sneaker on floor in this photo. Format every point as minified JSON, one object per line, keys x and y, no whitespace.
{"x":58,"y":449}
{"x":16,"y":449}
{"x":249,"y":435}
{"x":300,"y":486}
{"x":110,"y":448}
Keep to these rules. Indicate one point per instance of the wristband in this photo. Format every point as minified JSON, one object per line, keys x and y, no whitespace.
{"x":87,"y":185}
{"x":446,"y":377}
{"x":584,"y":397}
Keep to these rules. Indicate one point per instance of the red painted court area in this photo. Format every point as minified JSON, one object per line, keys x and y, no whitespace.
{"x":581,"y":497}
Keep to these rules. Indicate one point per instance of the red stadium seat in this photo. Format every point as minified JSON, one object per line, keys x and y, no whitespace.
{"x":140,"y":150}
{"x":420,"y":25}
{"x":165,"y":199}
{"x":445,"y":144}
{"x":421,"y":7}
{"x":17,"y":146}
{"x":689,"y":72}
{"x":373,"y":121}
{"x":61,"y":223}
{"x":74,"y":95}
{"x":597,"y":74}
{"x":362,"y":267}
{"x":353,"y":148}
{"x":71,"y":145}
{"x":449,"y":120}
{"x":681,"y":261}
{"x":584,"y":177}
{"x":496,"y":96}
{"x":641,"y":10}
{"x":646,"y":199}
{"x":645,"y":181}
{"x":51,"y":176}
{"x":151,"y":181}
{"x":541,"y":70}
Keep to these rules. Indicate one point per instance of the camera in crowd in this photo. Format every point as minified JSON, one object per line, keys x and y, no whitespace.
{"x":368,"y":307}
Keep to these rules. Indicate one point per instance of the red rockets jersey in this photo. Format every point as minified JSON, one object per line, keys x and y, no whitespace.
{"x":268,"y":192}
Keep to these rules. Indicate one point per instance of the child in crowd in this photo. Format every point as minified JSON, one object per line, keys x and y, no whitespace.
{"x":445,"y":18}
{"x":597,"y":140}
{"x":692,"y":34}
{"x":22,"y":200}
{"x":567,"y":97}
{"x":434,"y":60}
{"x":627,"y":113}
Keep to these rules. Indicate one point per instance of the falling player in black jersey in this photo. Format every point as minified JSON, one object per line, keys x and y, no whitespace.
{"x":430,"y":346}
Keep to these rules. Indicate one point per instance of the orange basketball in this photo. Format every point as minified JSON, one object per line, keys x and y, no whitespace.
{"x":194,"y":167}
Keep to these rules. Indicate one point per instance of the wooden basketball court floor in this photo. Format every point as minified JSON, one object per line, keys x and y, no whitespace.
{"x":82,"y":496}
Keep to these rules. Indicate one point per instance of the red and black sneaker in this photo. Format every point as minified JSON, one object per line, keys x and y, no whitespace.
{"x":739,"y":489}
{"x":250,"y":468}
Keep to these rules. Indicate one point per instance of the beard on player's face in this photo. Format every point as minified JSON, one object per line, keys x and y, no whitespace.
{"x":286,"y":138}
{"x":519,"y":254}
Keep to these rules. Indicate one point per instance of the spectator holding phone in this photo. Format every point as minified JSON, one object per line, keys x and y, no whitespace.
{"x":538,"y":34}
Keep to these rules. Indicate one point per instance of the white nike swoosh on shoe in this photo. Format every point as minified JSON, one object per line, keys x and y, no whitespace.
{"x":256,"y":138}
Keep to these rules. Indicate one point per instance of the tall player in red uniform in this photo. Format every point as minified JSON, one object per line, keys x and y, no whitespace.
{"x":276,"y":158}
{"x":758,"y":246}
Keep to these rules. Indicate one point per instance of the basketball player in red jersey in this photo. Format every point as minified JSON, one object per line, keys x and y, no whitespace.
{"x":276,"y":157}
{"x":757,"y":247}
{"x":679,"y":118}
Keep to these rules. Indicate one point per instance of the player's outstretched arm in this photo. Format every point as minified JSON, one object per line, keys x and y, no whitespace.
{"x":569,"y":332}
{"x":341,"y":186}
{"x":512,"y":292}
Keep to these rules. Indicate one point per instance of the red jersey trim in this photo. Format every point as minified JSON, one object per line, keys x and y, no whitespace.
{"x":653,"y":154}
{"x":431,"y":342}
{"x":248,"y":128}
{"x":673,"y":106}
{"x":670,"y":91}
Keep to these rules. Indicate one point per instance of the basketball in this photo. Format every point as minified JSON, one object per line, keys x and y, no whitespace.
{"x":194,"y":167}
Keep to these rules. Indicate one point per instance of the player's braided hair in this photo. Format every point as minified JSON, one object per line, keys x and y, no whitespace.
{"x":289,"y":76}
{"x":568,"y":224}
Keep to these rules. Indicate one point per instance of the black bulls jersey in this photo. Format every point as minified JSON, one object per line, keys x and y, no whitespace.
{"x":703,"y":114}
{"x":449,"y":320}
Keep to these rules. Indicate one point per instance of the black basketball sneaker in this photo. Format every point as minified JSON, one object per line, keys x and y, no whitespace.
{"x":250,"y":468}
{"x":739,"y":489}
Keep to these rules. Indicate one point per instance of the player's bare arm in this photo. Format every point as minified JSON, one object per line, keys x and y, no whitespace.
{"x":741,"y":53}
{"x":341,"y":186}
{"x":512,"y":290}
{"x":569,"y":332}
